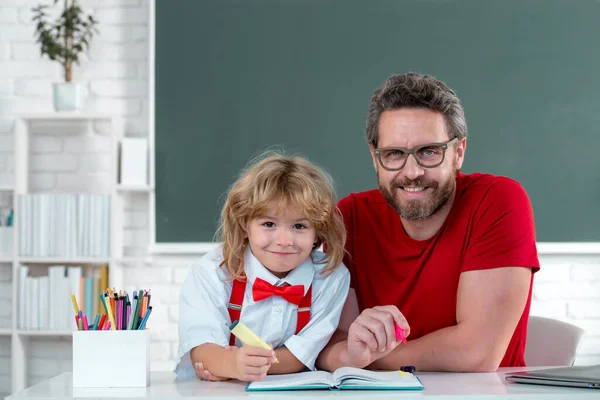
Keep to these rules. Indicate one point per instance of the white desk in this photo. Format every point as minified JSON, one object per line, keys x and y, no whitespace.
{"x":438,"y":386}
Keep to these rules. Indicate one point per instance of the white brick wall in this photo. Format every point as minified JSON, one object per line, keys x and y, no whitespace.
{"x":48,"y":354}
{"x":568,"y":288}
{"x":114,"y":75}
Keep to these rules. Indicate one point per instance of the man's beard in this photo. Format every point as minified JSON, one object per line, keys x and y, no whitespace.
{"x":419,"y":210}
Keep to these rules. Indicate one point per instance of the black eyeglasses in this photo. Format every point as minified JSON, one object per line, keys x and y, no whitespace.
{"x":428,"y":155}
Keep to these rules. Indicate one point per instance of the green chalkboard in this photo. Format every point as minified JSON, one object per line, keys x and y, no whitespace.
{"x":233,"y":77}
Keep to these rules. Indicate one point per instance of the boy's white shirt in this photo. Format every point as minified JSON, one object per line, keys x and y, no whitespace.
{"x":203,"y":315}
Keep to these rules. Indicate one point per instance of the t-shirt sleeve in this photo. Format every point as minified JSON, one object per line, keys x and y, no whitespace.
{"x":345,"y":206}
{"x":326,"y":309}
{"x":503,"y":230}
{"x":203,"y":316}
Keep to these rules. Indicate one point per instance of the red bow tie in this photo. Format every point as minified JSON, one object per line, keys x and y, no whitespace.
{"x":263,"y":289}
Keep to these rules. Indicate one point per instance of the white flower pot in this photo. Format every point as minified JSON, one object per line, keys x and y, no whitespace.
{"x":67,"y":96}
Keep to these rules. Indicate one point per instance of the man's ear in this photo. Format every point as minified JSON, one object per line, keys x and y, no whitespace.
{"x":373,"y":156}
{"x":461,"y":148}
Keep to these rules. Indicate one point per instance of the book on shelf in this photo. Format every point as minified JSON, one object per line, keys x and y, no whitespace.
{"x":340,"y":379}
{"x":64,"y":225}
{"x":44,"y":301}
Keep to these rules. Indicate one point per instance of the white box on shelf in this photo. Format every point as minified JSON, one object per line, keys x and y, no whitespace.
{"x":134,"y":161}
{"x":111,"y":359}
{"x":6,"y":241}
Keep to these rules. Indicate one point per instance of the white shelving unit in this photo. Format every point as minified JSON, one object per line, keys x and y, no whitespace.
{"x":54,"y":260}
{"x":25,"y":333}
{"x":20,"y":338}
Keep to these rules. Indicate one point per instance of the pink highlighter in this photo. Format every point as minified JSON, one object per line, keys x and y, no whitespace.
{"x":400,"y":334}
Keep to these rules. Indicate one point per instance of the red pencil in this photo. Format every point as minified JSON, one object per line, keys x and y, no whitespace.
{"x":101,"y":323}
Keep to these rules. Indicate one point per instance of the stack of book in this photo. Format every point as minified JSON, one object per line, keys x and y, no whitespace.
{"x":64,"y":225}
{"x":43,"y":300}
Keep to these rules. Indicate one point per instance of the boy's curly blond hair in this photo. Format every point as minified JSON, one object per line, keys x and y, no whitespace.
{"x":274,"y":179}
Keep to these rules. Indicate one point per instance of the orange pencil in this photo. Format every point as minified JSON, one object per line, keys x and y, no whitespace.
{"x":144,"y":306}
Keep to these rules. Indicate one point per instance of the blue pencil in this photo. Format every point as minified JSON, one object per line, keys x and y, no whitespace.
{"x":143,"y":323}
{"x":96,"y":322}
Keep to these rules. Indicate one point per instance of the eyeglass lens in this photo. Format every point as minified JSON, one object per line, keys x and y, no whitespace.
{"x":428,"y":156}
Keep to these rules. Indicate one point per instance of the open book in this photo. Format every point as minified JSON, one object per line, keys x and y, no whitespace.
{"x":341,"y":378}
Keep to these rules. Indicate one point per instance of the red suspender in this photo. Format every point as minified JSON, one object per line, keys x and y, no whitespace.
{"x":304,"y":310}
{"x":235,"y":304}
{"x":237,"y":299}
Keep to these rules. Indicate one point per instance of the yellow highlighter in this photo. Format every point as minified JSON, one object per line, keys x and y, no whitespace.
{"x":111,"y":318}
{"x":74,"y":301}
{"x":248,"y":337}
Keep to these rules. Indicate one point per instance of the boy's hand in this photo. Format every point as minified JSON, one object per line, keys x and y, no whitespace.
{"x":252,"y":363}
{"x":204,"y":375}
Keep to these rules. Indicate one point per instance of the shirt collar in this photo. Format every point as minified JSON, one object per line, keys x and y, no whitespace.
{"x":301,"y":275}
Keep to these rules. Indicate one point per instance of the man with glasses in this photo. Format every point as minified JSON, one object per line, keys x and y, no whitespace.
{"x":447,"y":256}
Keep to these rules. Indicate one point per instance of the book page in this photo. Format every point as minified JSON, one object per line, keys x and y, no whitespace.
{"x":310,"y":378}
{"x":348,"y":376}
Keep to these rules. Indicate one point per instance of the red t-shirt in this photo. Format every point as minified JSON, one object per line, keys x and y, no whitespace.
{"x":490,"y":225}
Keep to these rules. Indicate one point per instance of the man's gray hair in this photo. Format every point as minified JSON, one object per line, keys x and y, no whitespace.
{"x":413,"y":90}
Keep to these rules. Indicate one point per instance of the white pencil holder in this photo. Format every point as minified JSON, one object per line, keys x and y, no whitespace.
{"x":111,"y":359}
{"x":6,"y":241}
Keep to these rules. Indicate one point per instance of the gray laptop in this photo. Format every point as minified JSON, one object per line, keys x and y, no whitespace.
{"x":584,"y":376}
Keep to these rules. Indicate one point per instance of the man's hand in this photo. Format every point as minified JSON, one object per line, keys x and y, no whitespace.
{"x":252,"y":363}
{"x":372,"y":335}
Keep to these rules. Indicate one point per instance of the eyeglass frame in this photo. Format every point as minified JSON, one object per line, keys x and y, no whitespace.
{"x":444,"y":146}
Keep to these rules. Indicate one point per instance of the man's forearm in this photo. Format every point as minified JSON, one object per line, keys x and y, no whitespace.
{"x":448,"y":349}
{"x":215,"y":358}
{"x":334,"y":355}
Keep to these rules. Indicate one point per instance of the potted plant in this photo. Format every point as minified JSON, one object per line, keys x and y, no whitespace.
{"x":63,"y":40}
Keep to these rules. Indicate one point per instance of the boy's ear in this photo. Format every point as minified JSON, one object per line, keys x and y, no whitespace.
{"x":318,"y":242}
